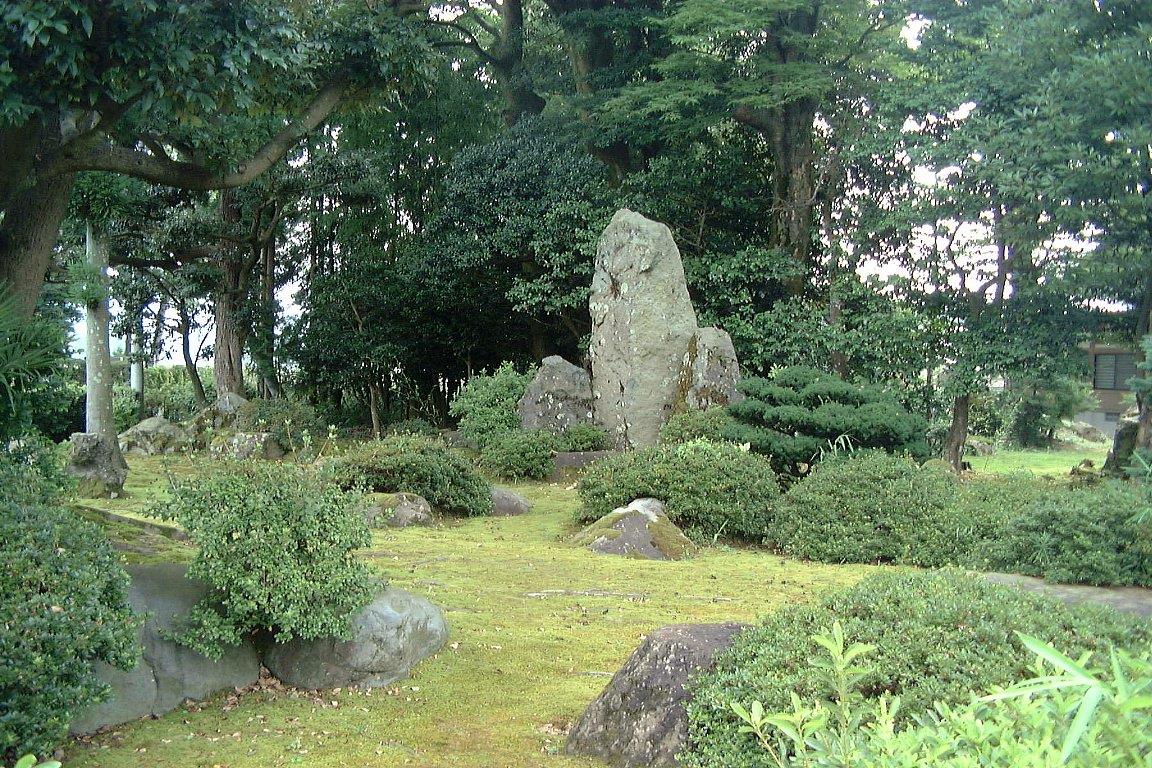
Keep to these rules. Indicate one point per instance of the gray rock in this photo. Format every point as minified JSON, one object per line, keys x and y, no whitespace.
{"x":642,"y":322}
{"x":639,"y":719}
{"x":506,"y":503}
{"x":397,"y":510}
{"x":247,"y":445}
{"x":167,"y":673}
{"x":567,"y":462}
{"x":222,"y":414}
{"x":641,"y":530}
{"x":709,"y":373}
{"x":559,"y":397}
{"x":98,"y":466}
{"x":155,"y":436}
{"x":1123,"y":446}
{"x":394,"y":633}
{"x":230,"y":404}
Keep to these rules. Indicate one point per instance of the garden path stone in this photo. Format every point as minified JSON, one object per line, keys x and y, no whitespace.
{"x":1134,"y":600}
{"x":390,"y":636}
{"x":168,"y":673}
{"x":639,"y":718}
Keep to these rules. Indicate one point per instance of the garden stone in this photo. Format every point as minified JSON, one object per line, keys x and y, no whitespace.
{"x":397,"y":510}
{"x":639,"y":719}
{"x":155,"y":436}
{"x":559,"y":397}
{"x":168,"y":673}
{"x":247,"y":445}
{"x":1123,"y":446}
{"x":641,"y":530}
{"x":390,"y":636}
{"x":709,"y":373}
{"x":97,"y":464}
{"x":642,"y":322}
{"x":506,"y":503}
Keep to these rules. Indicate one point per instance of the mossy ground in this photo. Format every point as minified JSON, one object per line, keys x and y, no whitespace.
{"x":1040,"y":462}
{"x":528,"y":651}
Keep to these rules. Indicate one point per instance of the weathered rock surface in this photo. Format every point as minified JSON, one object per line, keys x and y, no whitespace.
{"x":168,"y":673}
{"x":397,"y":510}
{"x":394,"y":633}
{"x":709,"y":372}
{"x":155,"y":436}
{"x":1123,"y":446}
{"x":642,"y":321}
{"x":567,"y":462}
{"x":639,"y":719}
{"x":559,"y":397}
{"x":506,"y":503}
{"x":641,"y":530}
{"x":247,"y":445}
{"x":97,"y":465}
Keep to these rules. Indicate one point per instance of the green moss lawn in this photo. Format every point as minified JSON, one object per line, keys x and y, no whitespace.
{"x":537,"y":629}
{"x":1041,"y":462}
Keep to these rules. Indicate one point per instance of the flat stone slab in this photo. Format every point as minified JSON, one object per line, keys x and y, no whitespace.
{"x":1134,"y":600}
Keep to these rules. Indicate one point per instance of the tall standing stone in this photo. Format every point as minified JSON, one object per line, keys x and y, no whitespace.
{"x":642,"y":322}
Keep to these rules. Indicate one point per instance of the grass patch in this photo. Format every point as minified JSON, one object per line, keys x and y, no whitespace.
{"x":526,"y":655}
{"x":1040,"y":462}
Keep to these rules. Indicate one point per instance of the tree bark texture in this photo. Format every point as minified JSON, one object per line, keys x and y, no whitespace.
{"x":957,"y":432}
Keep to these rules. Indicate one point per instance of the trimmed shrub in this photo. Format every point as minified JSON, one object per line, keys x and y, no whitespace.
{"x":286,"y":419}
{"x":582,"y":437}
{"x":872,"y":508}
{"x":709,"y":424}
{"x":32,"y":471}
{"x":802,"y":414}
{"x":409,"y":464}
{"x":277,"y":544}
{"x":519,"y":455}
{"x":938,"y":636}
{"x":1090,"y":535}
{"x":486,"y":405}
{"x":710,"y":489}
{"x":65,"y":608}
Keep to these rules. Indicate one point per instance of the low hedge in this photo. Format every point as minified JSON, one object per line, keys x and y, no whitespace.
{"x":518,"y":455}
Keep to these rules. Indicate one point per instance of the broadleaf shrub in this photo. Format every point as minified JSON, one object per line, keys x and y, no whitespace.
{"x":518,"y":455}
{"x":937,"y":636}
{"x":710,"y":489}
{"x":410,"y":464}
{"x":277,"y":543}
{"x":800,"y":413}
{"x":582,"y":437}
{"x":286,"y":419}
{"x":486,"y":405}
{"x":871,"y":507}
{"x":709,"y":424}
{"x":65,"y":607}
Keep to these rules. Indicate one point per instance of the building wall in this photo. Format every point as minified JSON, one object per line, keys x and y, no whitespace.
{"x":1112,"y":402}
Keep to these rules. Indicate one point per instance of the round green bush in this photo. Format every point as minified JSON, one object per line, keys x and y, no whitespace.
{"x":486,"y":405}
{"x":64,"y":608}
{"x":938,"y":636}
{"x":410,"y":464}
{"x":519,"y":455}
{"x":1100,"y":534}
{"x":709,"y":424}
{"x":583,"y":437}
{"x":277,"y":543}
{"x":871,"y":507}
{"x":710,"y":489}
{"x":286,"y":419}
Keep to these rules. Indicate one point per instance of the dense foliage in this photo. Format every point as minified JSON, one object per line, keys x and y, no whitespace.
{"x":277,"y":543}
{"x":709,"y":424}
{"x":291,"y":422}
{"x":518,"y":455}
{"x":583,"y":437}
{"x":486,"y":404}
{"x":410,"y":464}
{"x":871,"y":507}
{"x":65,"y":608}
{"x":937,"y":636}
{"x":710,"y":489}
{"x":800,"y":414}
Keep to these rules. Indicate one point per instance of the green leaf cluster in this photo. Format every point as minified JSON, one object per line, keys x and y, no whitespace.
{"x":486,"y":404}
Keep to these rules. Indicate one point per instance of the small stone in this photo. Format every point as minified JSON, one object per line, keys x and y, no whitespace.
{"x":641,"y":530}
{"x":506,"y":503}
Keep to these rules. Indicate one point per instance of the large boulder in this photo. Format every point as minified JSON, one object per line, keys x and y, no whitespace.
{"x":246,"y":445}
{"x":639,"y":719}
{"x":506,"y":503}
{"x":1123,"y":446}
{"x":168,"y":673}
{"x":155,"y":436}
{"x":221,"y":415}
{"x":642,"y":322}
{"x":390,"y":636}
{"x":709,"y":372}
{"x":397,"y":510}
{"x":97,"y":465}
{"x":559,"y":397}
{"x":641,"y":530}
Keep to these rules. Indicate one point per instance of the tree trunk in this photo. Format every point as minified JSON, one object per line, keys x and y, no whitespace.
{"x":136,"y":369}
{"x":29,"y":228}
{"x":374,"y":410}
{"x":99,"y":418}
{"x":228,"y":348}
{"x":957,"y":432}
{"x":198,"y":392}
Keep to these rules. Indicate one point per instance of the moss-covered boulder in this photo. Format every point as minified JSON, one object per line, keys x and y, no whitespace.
{"x":641,"y":530}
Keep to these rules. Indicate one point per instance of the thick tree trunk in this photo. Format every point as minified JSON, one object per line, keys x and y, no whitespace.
{"x":957,"y":432}
{"x":98,"y":417}
{"x":198,"y":393}
{"x":28,"y":231}
{"x":228,"y":348}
